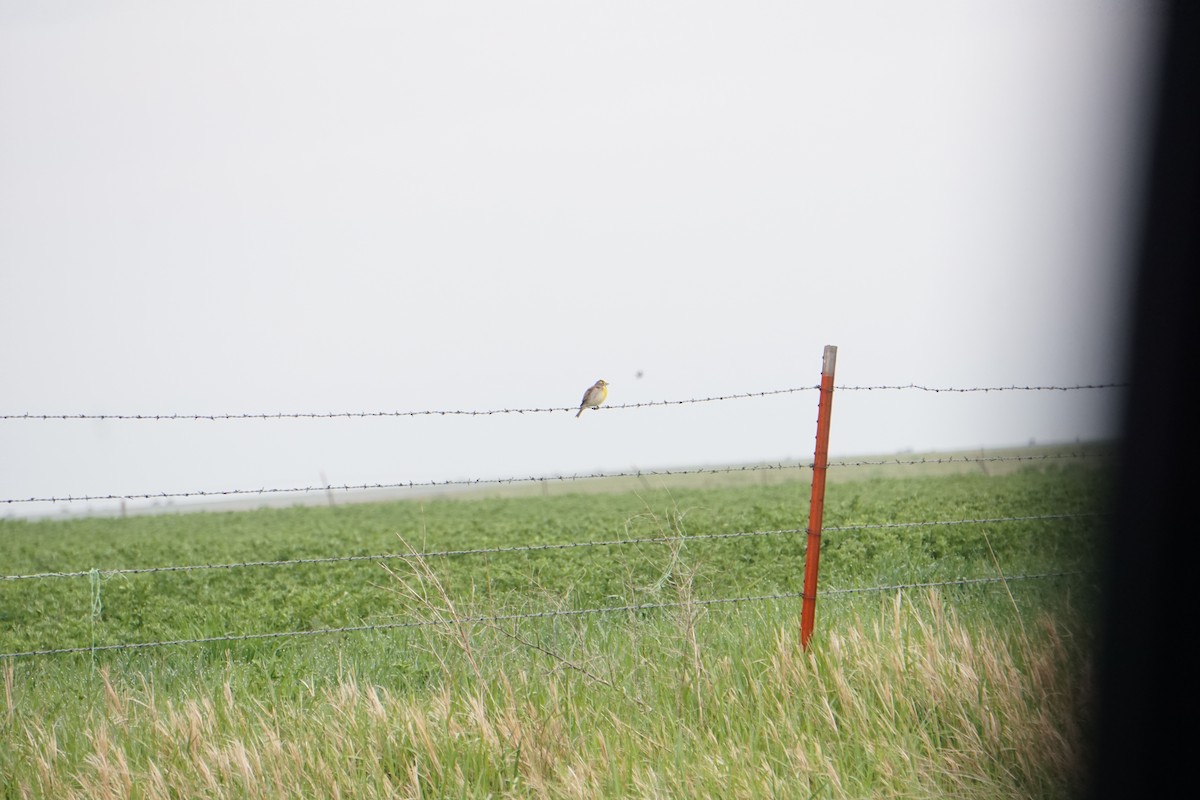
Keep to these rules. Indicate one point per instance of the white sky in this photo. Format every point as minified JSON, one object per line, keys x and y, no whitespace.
{"x":229,"y":207}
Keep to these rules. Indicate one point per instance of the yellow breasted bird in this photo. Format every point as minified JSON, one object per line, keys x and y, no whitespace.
{"x":594,"y":396}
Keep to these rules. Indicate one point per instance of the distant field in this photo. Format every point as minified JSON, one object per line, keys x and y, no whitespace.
{"x":684,"y":698}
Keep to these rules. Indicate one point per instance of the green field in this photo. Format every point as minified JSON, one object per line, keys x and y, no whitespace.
{"x":501,"y":673}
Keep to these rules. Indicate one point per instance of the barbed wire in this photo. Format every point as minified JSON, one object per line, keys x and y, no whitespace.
{"x":633,"y":608}
{"x":422,"y":413}
{"x":465,"y":482}
{"x":528,"y":548}
{"x":433,"y":484}
{"x":1010,"y":388}
{"x":891,"y":462}
{"x":547,"y":410}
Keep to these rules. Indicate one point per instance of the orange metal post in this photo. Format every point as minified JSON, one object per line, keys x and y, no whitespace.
{"x":816,"y":507}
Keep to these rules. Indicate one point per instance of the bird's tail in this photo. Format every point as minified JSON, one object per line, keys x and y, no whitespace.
{"x":577,"y":413}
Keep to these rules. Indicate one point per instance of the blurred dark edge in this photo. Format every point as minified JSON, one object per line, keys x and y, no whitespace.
{"x":1146,"y":671}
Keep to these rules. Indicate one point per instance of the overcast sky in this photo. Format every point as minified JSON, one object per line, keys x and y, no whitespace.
{"x":243,"y":207}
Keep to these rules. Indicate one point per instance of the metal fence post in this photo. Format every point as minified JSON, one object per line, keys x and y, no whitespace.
{"x":816,"y":506}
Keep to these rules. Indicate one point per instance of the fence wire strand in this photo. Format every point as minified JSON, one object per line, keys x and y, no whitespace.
{"x":544,"y":479}
{"x":422,"y":413}
{"x":984,"y":389}
{"x":533,"y":548}
{"x":633,"y":608}
{"x":889,"y":462}
{"x":175,"y":417}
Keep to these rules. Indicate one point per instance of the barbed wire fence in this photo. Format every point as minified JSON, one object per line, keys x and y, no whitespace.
{"x":96,"y":575}
{"x":532,"y":479}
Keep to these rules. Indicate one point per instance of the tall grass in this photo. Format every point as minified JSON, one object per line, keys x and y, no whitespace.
{"x":907,"y":701}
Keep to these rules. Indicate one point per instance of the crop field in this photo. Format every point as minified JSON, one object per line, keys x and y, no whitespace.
{"x":640,"y":642}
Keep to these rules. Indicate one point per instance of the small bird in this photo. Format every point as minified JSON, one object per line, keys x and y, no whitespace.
{"x":594,"y":396}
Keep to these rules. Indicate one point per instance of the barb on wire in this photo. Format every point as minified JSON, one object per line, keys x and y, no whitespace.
{"x":423,"y":413}
{"x":633,"y":608}
{"x":528,"y":548}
